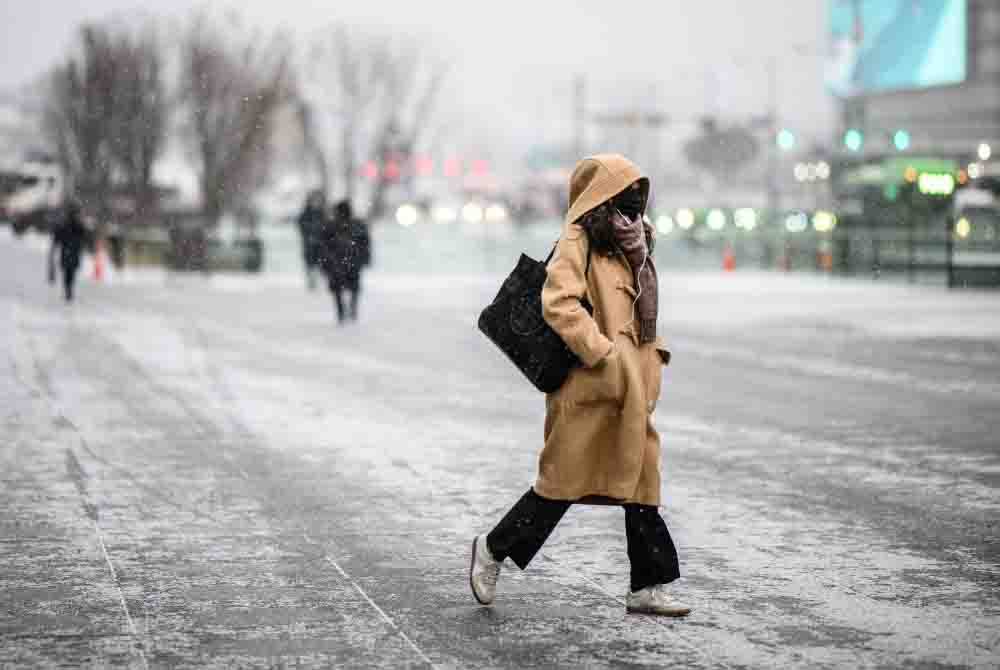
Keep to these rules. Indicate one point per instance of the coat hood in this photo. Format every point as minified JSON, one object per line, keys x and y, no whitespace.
{"x":597,"y":179}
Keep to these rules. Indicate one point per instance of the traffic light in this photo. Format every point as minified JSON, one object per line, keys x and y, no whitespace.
{"x":854,"y":139}
{"x":901,"y":140}
{"x":786,"y":139}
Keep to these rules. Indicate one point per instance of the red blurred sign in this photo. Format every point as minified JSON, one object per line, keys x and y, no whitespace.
{"x":424,"y":166}
{"x":452,"y":167}
{"x":480,"y":168}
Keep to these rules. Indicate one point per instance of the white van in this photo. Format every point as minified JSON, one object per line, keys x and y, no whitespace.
{"x":37,"y":195}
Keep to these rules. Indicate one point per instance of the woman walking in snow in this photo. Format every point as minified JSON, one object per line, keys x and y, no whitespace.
{"x":601,"y":446}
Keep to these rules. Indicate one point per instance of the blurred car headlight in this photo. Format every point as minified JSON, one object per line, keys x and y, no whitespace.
{"x":472,"y":213}
{"x":745,"y":218}
{"x":685,"y":218}
{"x":407,"y":215}
{"x":496,"y":213}
{"x":716,"y":219}
{"x":824,"y":222}
{"x":444,"y":214}
{"x":796,"y":222}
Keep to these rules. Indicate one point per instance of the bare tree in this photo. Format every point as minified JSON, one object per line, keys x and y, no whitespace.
{"x":77,"y":116}
{"x":232,"y":84}
{"x":370,"y":97}
{"x":311,"y":141}
{"x":105,"y":115}
{"x":139,"y":114}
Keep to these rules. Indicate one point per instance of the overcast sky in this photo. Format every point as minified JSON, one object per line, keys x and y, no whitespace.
{"x":513,"y":61}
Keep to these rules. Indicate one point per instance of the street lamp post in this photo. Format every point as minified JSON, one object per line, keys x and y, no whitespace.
{"x":772,"y":152}
{"x":773,"y":126}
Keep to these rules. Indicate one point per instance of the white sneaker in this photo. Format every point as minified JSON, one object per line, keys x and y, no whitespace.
{"x":483,"y":572}
{"x":655,"y":600}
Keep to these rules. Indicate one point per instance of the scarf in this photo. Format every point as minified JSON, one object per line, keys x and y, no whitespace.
{"x":631,"y":239}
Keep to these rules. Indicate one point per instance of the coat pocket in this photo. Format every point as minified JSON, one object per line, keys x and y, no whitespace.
{"x":602,"y":383}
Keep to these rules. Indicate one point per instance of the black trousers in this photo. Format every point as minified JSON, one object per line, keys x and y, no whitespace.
{"x":69,"y":278}
{"x":341,"y":285}
{"x":523,"y":531}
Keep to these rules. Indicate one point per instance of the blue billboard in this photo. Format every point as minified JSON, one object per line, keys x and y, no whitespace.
{"x":886,"y":45}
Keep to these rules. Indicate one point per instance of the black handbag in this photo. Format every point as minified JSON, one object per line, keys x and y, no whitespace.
{"x":514,"y":322}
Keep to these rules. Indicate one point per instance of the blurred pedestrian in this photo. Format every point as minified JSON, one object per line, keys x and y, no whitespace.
{"x":116,"y":242}
{"x":346,"y":250}
{"x":69,"y":237}
{"x":311,"y":231}
{"x":601,"y":446}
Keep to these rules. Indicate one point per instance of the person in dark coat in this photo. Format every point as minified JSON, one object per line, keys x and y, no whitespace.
{"x":346,"y":249}
{"x":69,"y":237}
{"x":311,"y":229}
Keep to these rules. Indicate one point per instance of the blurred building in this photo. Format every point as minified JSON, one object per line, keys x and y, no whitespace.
{"x":916,"y":78}
{"x":918,"y":83}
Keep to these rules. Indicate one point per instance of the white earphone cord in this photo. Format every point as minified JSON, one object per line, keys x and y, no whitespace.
{"x":645,"y":257}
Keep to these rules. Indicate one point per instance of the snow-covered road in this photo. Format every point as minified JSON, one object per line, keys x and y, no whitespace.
{"x":207,"y":472}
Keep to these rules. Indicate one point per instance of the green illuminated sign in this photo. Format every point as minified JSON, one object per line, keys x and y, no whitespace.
{"x":931,"y":183}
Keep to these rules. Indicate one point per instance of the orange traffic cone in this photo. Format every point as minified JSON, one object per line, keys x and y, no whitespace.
{"x":99,"y":259}
{"x":728,"y":259}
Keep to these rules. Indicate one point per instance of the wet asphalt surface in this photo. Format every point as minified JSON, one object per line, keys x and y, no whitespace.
{"x":209,"y":473}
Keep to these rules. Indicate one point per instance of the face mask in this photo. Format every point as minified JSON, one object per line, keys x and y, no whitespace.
{"x":629,"y":204}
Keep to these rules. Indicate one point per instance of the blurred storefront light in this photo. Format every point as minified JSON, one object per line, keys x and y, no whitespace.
{"x":797,"y":222}
{"x":716,"y":219}
{"x":824,"y":222}
{"x":854,"y":140}
{"x":811,"y":171}
{"x":685,"y":218}
{"x":984,"y":151}
{"x":975,"y":170}
{"x":444,"y":214}
{"x":901,"y":140}
{"x":786,"y":140}
{"x":496,"y":213}
{"x":407,"y":215}
{"x":472,"y":213}
{"x":963,"y":228}
{"x":745,"y":218}
{"x":664,"y":224}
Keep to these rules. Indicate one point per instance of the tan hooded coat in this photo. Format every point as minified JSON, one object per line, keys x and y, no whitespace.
{"x":600,"y":443}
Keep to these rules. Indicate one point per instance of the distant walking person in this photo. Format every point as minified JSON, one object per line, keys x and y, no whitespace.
{"x":601,"y":446}
{"x":346,"y":251}
{"x":311,"y":231}
{"x":69,"y":237}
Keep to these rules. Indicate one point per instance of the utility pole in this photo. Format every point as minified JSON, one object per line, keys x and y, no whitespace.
{"x":772,"y":137}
